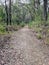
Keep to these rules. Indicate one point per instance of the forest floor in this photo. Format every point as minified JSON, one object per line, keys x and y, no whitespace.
{"x":24,"y":48}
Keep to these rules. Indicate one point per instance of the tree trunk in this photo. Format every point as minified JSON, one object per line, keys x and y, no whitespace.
{"x":45,"y":10}
{"x":6,"y":9}
{"x":10,"y":11}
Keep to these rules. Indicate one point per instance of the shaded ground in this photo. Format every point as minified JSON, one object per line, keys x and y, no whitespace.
{"x":24,"y":49}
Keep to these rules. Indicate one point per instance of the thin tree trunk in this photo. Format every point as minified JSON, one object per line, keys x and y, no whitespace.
{"x":45,"y":10}
{"x":6,"y":9}
{"x":10,"y":11}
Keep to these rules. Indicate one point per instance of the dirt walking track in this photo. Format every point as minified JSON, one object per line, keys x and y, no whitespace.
{"x":26,"y":49}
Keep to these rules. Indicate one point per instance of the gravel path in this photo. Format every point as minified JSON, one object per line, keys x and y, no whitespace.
{"x":25,"y":49}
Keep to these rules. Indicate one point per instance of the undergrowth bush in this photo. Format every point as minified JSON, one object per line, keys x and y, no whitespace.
{"x":22,"y":24}
{"x":2,"y":29}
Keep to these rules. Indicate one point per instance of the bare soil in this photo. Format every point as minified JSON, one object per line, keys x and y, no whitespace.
{"x":23,"y":48}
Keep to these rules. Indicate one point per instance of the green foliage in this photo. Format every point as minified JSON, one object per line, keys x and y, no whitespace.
{"x":39,"y":36}
{"x":22,"y":24}
{"x":2,"y":14}
{"x":36,"y":25}
{"x":2,"y":29}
